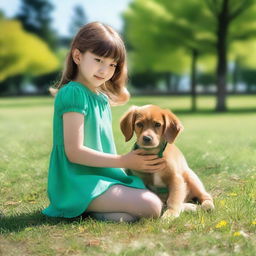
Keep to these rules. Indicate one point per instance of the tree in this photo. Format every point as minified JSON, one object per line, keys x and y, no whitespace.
{"x":243,"y":57}
{"x":78,"y":19}
{"x":145,"y":30}
{"x":171,"y":35}
{"x":201,"y":27}
{"x":31,"y":57}
{"x":249,"y":77}
{"x":35,"y":18}
{"x":240,"y":13}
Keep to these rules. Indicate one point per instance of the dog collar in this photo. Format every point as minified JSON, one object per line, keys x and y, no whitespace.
{"x":160,"y":153}
{"x":157,"y":190}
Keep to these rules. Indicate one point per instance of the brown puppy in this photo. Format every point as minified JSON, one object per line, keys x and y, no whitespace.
{"x":156,"y":130}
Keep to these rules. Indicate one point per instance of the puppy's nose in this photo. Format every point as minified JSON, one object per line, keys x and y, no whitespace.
{"x":147,"y":139}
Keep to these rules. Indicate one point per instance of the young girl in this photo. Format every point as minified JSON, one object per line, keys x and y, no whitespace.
{"x":85,"y":174}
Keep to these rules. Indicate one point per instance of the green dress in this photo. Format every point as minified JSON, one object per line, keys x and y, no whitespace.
{"x":71,"y":187}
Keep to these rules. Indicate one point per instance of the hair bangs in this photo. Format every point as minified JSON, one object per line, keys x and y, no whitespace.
{"x":110,"y":49}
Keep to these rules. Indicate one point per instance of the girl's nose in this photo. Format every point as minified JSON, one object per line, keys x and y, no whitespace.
{"x":103,"y":70}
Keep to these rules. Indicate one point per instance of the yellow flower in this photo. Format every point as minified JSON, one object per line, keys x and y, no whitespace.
{"x":232,"y":194}
{"x":221,"y":224}
{"x":222,"y":202}
{"x":81,"y":229}
{"x":237,"y":233}
{"x":241,"y":233}
{"x":254,"y":222}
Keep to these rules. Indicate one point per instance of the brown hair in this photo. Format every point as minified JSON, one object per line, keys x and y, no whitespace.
{"x":103,"y":41}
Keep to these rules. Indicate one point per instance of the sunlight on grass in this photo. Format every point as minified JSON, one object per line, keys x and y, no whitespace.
{"x":219,"y":147}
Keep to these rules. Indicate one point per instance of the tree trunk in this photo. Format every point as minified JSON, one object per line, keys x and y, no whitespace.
{"x":221,"y":71}
{"x":168,"y":81}
{"x":235,"y":76}
{"x":193,"y":79}
{"x":175,"y":80}
{"x":176,"y":83}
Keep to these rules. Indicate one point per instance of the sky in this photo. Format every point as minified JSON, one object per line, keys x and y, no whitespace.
{"x":106,"y":11}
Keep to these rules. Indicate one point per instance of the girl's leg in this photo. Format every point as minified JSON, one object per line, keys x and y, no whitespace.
{"x":125,"y":202}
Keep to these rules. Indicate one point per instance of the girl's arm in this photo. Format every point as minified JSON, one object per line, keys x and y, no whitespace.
{"x":73,"y":129}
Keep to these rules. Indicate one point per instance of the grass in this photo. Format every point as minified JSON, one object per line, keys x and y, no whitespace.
{"x":220,"y":148}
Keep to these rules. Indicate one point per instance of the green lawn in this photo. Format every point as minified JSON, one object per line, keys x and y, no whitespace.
{"x":220,"y":148}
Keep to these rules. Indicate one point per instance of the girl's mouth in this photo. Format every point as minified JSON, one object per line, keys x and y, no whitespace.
{"x":98,"y":77}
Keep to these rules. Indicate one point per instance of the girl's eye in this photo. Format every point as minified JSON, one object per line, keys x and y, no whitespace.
{"x":113,"y":65}
{"x":157,"y":125}
{"x":140,"y":125}
{"x":97,"y":60}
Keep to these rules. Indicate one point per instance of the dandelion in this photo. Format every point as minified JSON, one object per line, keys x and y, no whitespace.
{"x":221,"y":224}
{"x":237,"y":233}
{"x":241,"y":233}
{"x":254,"y":222}
{"x":232,"y":194}
{"x":81,"y":229}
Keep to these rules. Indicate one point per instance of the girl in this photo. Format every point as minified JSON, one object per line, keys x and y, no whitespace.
{"x":85,"y":172}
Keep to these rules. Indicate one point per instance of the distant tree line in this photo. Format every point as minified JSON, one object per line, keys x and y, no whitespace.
{"x":212,"y":42}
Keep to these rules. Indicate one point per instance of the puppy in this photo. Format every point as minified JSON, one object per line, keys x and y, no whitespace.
{"x":156,"y":130}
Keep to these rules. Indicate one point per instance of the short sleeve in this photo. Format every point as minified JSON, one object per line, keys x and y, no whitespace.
{"x":71,"y":99}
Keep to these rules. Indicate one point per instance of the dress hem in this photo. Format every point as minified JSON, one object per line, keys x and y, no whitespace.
{"x":92,"y":198}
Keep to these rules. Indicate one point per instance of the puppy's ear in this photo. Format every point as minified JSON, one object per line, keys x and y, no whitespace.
{"x":127,"y":123}
{"x":172,"y":127}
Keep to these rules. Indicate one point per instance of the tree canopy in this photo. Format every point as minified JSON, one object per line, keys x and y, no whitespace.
{"x":35,"y":16}
{"x":22,"y":52}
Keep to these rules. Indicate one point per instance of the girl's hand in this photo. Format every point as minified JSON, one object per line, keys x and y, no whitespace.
{"x":144,"y":163}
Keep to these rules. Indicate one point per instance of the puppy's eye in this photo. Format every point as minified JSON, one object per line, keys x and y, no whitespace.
{"x":157,"y":125}
{"x":140,"y":125}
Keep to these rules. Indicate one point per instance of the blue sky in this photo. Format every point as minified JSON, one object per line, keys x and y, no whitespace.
{"x":106,"y":11}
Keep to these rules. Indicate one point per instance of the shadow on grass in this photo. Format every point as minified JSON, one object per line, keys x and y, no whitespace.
{"x":17,"y":223}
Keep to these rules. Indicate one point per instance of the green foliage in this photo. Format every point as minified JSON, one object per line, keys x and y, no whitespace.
{"x":244,"y":53}
{"x":233,"y":21}
{"x":206,"y":79}
{"x":145,"y":22}
{"x":171,"y":31}
{"x":248,"y":76}
{"x":162,"y":33}
{"x":35,"y":16}
{"x":22,"y":52}
{"x":242,"y":31}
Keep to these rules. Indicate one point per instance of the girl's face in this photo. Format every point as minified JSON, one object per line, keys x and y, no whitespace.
{"x":93,"y":70}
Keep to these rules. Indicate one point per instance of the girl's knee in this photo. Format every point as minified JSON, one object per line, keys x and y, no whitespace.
{"x":152,"y":205}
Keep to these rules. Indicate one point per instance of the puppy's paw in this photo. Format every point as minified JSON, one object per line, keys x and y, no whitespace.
{"x":187,"y":207}
{"x":170,"y":214}
{"x":207,"y":205}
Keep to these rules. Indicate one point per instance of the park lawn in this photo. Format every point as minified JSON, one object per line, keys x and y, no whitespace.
{"x":220,"y":148}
